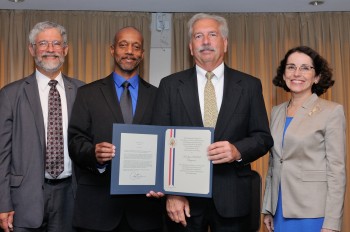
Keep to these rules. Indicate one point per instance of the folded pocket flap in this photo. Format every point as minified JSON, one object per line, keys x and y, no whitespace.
{"x":15,"y":181}
{"x":314,"y":176}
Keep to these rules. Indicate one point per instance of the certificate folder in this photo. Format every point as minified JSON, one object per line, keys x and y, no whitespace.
{"x":172,"y":160}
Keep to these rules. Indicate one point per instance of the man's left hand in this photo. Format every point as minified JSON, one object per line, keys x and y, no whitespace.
{"x":223,"y":152}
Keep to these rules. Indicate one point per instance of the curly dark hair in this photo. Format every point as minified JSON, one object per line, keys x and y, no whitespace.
{"x":321,"y":66}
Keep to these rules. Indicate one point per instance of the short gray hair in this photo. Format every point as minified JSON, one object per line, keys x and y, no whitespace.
{"x":221,"y":20}
{"x":42,"y":26}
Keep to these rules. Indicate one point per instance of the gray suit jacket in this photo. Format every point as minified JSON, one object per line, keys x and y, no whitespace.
{"x":311,"y":165}
{"x":22,"y":149}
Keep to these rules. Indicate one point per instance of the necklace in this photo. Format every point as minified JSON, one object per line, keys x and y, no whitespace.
{"x":291,"y":109}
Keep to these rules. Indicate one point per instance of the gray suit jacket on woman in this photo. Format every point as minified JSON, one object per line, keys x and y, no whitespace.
{"x":311,"y":165}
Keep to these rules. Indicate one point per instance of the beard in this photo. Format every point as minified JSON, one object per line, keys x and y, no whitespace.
{"x":49,"y":66}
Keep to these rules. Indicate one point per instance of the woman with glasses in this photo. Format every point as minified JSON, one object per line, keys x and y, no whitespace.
{"x":305,"y":183}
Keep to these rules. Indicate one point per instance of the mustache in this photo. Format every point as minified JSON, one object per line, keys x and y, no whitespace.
{"x":206,"y":48}
{"x":130,"y":58}
{"x":50,"y":54}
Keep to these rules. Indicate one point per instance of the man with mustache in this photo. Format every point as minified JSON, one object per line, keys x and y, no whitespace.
{"x":34,"y":197}
{"x":241,"y":134}
{"x":98,"y":105}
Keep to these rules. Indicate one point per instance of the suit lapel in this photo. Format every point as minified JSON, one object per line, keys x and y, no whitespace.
{"x":70,"y":94}
{"x":230,"y":99}
{"x":278,"y":120}
{"x":109,"y":92}
{"x":307,"y":107}
{"x":188,"y":91}
{"x":32,"y":93}
{"x":142,"y":100}
{"x":300,"y":121}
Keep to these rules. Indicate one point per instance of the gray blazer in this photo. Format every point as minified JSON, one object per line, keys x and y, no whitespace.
{"x":22,"y":149}
{"x":311,"y":165}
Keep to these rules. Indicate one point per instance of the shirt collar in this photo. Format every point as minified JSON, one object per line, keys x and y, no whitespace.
{"x":119,"y":80}
{"x":218,"y":71}
{"x":43,"y":81}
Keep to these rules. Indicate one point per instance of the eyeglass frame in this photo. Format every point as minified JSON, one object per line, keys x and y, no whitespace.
{"x":54,"y":46}
{"x":307,"y":68}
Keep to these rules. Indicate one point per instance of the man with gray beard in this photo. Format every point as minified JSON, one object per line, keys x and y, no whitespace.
{"x":36,"y":174}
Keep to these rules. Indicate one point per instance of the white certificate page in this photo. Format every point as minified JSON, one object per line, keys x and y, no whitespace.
{"x":138,"y":156}
{"x":186,"y":165}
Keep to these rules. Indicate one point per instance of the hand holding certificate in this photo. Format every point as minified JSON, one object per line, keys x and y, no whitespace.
{"x":169,"y":160}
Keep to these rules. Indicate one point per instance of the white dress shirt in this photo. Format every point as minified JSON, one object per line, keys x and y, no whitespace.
{"x":44,"y":88}
{"x":218,"y":82}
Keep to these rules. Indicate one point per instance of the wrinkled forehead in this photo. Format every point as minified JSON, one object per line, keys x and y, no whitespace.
{"x":49,"y":34}
{"x":205,"y":25}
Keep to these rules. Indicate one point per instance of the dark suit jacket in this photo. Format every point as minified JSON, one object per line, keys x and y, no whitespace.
{"x":22,"y":149}
{"x":242,"y":121}
{"x":94,"y":112}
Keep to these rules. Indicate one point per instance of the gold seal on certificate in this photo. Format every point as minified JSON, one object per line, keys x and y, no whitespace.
{"x":172,"y":142}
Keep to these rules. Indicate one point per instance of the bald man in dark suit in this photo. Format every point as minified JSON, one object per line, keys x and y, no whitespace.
{"x":97,"y":107}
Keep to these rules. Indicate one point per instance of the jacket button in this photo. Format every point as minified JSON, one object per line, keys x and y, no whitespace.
{"x":281,"y":160}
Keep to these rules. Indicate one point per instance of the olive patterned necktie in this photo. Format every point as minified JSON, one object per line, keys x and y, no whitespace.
{"x":210,"y":107}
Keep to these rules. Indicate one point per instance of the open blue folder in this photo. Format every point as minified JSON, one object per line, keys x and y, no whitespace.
{"x":172,"y":160}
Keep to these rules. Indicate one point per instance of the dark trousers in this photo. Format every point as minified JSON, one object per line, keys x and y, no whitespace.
{"x":211,"y":221}
{"x":122,"y":227}
{"x":58,"y":213}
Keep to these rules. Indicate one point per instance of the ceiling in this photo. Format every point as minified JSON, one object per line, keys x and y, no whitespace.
{"x":168,"y":6}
